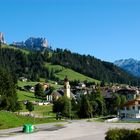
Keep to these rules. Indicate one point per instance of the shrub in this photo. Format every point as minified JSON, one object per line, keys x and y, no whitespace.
{"x":122,"y":134}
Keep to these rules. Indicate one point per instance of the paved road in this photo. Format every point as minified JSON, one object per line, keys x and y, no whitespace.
{"x":76,"y":130}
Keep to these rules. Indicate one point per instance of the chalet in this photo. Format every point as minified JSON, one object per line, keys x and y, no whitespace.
{"x":130,"y":94}
{"x":80,"y":93}
{"x":81,"y":85}
{"x":23,"y":79}
{"x":45,"y":85}
{"x":131,"y":109}
{"x":29,"y":88}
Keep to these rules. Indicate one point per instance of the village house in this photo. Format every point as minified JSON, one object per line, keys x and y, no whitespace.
{"x":29,"y":88}
{"x":81,"y":85}
{"x":131,"y":109}
{"x":130,"y":94}
{"x":45,"y":85}
{"x":23,"y":79}
{"x":66,"y":91}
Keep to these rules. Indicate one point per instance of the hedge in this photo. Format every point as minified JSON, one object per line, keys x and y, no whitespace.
{"x":123,"y":134}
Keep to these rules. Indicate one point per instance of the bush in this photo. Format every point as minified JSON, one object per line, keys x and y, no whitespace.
{"x":123,"y":134}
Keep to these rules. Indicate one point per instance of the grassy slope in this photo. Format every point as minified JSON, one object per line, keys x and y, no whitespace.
{"x":23,"y":50}
{"x":23,"y":95}
{"x":72,"y":75}
{"x":44,"y":110}
{"x":9,"y":120}
{"x":21,"y":84}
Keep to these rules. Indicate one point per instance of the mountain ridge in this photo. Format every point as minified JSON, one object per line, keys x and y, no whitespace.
{"x":31,"y":65}
{"x":130,"y":65}
{"x":33,"y":43}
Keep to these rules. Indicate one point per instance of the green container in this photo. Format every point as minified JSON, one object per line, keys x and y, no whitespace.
{"x":28,"y":128}
{"x":31,"y":128}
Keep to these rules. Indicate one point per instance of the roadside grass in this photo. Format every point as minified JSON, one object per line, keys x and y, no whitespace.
{"x":10,"y":120}
{"x":44,"y":110}
{"x":102,"y":119}
{"x":125,"y":121}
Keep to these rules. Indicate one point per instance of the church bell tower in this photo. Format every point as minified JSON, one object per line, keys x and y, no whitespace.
{"x":66,"y":87}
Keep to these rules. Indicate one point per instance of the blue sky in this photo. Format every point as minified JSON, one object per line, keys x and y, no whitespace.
{"x":106,"y":29}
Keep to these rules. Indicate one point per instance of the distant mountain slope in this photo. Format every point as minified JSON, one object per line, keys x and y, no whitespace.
{"x":61,"y":72}
{"x":131,"y":65}
{"x":92,"y":67}
{"x":32,"y":65}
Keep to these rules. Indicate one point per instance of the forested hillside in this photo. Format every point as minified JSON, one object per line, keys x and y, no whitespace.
{"x":92,"y":67}
{"x":33,"y":65}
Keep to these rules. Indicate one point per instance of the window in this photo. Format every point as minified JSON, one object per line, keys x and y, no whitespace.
{"x":133,"y":107}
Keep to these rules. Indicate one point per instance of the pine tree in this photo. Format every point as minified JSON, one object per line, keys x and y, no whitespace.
{"x":63,"y":105}
{"x":8,"y":95}
{"x":85,"y":108}
{"x":30,"y":107}
{"x":39,"y":92}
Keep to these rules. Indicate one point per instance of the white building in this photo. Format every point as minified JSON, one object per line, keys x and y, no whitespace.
{"x":131,"y":109}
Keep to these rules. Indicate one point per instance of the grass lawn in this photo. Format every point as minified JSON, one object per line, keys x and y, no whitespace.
{"x":56,"y":86}
{"x":23,"y":95}
{"x":45,"y":110}
{"x":42,"y":80}
{"x":54,"y":67}
{"x":72,"y":75}
{"x":10,"y":120}
{"x":22,"y":84}
{"x":41,"y":110}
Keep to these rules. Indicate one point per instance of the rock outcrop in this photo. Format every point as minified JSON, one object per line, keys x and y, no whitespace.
{"x":2,"y":38}
{"x":33,"y":43}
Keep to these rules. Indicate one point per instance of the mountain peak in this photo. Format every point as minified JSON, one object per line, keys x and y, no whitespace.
{"x":131,"y":65}
{"x":2,"y":38}
{"x":33,"y":43}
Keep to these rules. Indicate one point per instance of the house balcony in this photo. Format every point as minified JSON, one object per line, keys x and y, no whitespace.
{"x":129,"y":111}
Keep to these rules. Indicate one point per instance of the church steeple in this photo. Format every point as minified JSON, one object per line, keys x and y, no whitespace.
{"x":66,"y":87}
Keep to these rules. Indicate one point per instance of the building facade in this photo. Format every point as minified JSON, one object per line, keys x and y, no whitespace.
{"x":131,"y":109}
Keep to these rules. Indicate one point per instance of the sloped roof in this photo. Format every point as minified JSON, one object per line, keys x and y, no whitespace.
{"x":132,"y":102}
